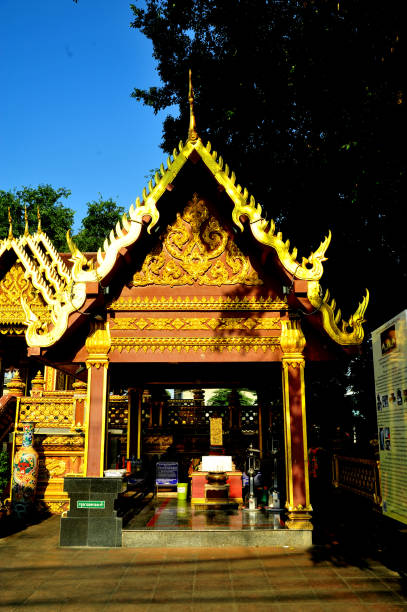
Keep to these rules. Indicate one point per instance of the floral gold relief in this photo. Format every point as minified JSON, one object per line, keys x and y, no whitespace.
{"x":13,"y":286}
{"x":197,"y":324}
{"x":196,"y":249}
{"x":186,"y":345}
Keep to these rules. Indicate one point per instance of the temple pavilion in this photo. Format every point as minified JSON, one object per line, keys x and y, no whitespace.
{"x":192,"y":289}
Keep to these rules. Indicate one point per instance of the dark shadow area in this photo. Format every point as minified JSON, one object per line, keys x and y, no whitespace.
{"x":349,"y":531}
{"x":10,"y":524}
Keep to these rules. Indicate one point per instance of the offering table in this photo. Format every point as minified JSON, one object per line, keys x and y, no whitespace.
{"x":199,"y":480}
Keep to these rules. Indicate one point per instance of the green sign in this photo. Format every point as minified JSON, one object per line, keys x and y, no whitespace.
{"x":90,"y":503}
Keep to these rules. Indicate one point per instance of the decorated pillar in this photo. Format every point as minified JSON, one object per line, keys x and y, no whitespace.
{"x":97,"y":363}
{"x":295,"y":428}
{"x":80,"y":391}
{"x":133,"y":425}
{"x":234,"y":410}
{"x":263,"y":406}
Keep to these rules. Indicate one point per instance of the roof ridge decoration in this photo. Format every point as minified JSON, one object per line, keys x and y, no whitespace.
{"x":192,"y":133}
{"x":10,"y":225}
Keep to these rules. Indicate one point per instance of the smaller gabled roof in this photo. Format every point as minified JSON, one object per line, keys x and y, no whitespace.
{"x":49,"y":275}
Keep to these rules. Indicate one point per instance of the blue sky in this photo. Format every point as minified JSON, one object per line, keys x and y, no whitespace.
{"x":66,"y":116}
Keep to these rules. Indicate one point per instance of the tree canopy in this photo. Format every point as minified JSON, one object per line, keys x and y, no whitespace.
{"x":221,"y":397}
{"x":101,"y":218}
{"x":56,"y":218}
{"x":304,"y":100}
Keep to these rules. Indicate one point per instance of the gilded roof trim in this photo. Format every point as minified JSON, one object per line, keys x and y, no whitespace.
{"x":127,"y":232}
{"x":345,"y":333}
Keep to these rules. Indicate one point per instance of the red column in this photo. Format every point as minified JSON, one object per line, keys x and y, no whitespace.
{"x":295,"y":428}
{"x":98,"y":345}
{"x":96,"y":426}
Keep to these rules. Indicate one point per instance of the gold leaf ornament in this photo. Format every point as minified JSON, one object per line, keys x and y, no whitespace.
{"x":196,"y":249}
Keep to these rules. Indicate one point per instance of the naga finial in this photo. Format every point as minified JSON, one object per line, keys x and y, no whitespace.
{"x":39,"y":230}
{"x":192,"y":133}
{"x":26,"y":232}
{"x":10,"y":225}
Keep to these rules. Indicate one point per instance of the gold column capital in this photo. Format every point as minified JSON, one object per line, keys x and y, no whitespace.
{"x":292,"y":339}
{"x":293,"y":361}
{"x":97,"y":363}
{"x":98,"y":344}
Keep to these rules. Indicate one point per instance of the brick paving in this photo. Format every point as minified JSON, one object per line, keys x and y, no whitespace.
{"x":37,"y":575}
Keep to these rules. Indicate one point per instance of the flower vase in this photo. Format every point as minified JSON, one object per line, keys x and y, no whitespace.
{"x":25,"y":474}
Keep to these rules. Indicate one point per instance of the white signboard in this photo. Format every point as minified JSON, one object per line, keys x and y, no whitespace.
{"x":389,"y":343}
{"x":216,"y":463}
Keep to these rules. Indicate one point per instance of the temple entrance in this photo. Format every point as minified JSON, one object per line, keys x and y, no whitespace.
{"x":176,"y":422}
{"x":172,"y":418}
{"x":172,"y":438}
{"x":162,"y":424}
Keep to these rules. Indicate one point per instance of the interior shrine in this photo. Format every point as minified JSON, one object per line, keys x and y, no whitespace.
{"x":193,"y":290}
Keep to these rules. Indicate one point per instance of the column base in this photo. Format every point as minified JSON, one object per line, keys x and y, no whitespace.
{"x":299,"y":519}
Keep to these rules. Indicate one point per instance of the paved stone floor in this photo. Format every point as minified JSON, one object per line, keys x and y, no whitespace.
{"x":37,"y":575}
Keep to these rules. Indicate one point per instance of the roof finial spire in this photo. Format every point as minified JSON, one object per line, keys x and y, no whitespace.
{"x":39,"y":220}
{"x":192,"y":133}
{"x":26,"y":232}
{"x":10,"y":225}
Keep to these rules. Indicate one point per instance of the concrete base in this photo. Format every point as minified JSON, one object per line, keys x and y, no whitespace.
{"x":259,"y":537}
{"x":91,"y":519}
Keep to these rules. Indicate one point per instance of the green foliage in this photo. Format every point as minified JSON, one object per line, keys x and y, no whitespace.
{"x":221,"y":398}
{"x":101,"y":219}
{"x":56,"y":218}
{"x":4,"y":470}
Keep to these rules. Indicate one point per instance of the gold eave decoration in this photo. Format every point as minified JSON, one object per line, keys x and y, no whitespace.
{"x":196,"y":304}
{"x":345,"y":333}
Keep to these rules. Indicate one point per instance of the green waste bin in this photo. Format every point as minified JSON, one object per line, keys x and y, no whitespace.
{"x":182,"y":491}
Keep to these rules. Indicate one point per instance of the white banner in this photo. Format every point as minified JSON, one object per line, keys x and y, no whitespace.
{"x":389,"y":343}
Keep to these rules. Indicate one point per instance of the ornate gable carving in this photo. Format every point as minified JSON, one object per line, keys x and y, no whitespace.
{"x":13,"y":286}
{"x":196,"y":249}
